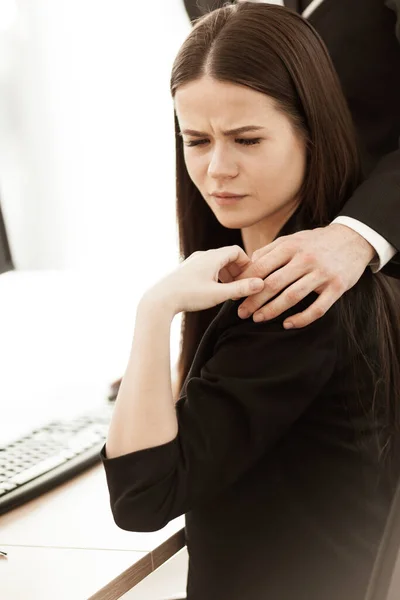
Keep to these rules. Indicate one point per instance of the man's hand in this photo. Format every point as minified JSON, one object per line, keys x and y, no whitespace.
{"x":328,"y":260}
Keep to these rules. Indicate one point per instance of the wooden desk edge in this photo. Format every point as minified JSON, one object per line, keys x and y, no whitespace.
{"x":137,"y":572}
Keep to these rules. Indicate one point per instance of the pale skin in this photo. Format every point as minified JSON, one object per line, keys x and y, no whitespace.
{"x":268,"y":174}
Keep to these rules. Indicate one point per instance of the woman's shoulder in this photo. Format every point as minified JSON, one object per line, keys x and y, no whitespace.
{"x":266,"y":353}
{"x":228,"y":316}
{"x":363,"y":301}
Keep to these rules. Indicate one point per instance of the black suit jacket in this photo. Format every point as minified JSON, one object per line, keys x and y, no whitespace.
{"x":363,"y":39}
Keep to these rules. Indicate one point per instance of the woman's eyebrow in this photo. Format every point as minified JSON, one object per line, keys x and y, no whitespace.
{"x":236,"y":131}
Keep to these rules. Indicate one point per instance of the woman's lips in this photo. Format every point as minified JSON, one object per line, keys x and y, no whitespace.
{"x":226,"y":200}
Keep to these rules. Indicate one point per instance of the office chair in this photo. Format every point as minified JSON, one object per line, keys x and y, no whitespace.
{"x":387,"y":563}
{"x":6,"y":262}
{"x":386,"y":571}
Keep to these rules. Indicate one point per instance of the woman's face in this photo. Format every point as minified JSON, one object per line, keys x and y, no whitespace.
{"x":237,"y":142}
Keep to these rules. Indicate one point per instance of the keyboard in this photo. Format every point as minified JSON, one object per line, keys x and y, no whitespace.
{"x":51,"y":454}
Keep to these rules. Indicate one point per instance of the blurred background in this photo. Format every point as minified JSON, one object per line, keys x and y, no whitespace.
{"x":87,"y":192}
{"x":86,"y":134}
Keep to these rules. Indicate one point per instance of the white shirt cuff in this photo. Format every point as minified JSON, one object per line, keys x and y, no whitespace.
{"x":384,"y":250}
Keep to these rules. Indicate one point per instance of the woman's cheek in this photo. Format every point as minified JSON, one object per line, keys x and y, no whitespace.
{"x":197,"y":169}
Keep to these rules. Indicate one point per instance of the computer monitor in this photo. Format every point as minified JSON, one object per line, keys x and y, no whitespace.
{"x":6,"y":263}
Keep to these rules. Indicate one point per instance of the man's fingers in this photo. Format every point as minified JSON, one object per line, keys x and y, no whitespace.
{"x":288,"y":298}
{"x":315,"y":311}
{"x":267,"y":263}
{"x":275,"y":283}
{"x":268,"y":248}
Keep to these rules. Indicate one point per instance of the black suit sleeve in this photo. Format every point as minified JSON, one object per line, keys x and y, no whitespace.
{"x":395,"y":5}
{"x":377,"y":201}
{"x":257,"y":383}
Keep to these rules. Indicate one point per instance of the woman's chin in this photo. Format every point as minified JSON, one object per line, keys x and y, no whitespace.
{"x":235,"y":221}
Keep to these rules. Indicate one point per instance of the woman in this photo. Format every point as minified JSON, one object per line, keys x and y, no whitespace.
{"x":281,"y":447}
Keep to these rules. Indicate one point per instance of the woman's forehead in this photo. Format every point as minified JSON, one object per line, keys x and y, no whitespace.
{"x":217,"y":99}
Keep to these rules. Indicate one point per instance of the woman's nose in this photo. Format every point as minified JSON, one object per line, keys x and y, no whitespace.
{"x":222,"y":165}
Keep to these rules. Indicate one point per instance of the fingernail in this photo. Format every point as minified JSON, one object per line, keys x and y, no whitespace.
{"x":258,"y":317}
{"x":288,"y":325}
{"x":243,"y":313}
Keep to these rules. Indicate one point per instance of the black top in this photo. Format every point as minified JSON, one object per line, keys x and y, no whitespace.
{"x":276,"y":463}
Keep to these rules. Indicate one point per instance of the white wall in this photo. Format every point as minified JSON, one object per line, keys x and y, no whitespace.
{"x":86,"y":133}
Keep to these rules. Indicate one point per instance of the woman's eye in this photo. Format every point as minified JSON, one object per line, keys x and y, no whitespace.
{"x":242,"y":141}
{"x":195,"y":143}
{"x":248,"y":141}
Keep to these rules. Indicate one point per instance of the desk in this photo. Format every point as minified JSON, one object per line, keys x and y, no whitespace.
{"x":64,"y":336}
{"x":65,"y":545}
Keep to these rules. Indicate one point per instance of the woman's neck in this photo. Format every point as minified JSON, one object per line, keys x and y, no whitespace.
{"x":264,"y":232}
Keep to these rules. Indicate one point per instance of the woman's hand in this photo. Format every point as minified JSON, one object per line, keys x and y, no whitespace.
{"x":327,"y":260}
{"x":194,"y":284}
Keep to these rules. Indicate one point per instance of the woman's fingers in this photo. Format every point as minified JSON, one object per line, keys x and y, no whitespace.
{"x":230,"y":272}
{"x":257,"y":266}
{"x":225,"y":275}
{"x":240,"y":289}
{"x":233,"y":254}
{"x":233,"y":261}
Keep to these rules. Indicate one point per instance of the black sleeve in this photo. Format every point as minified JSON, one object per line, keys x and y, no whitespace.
{"x":377,"y":201}
{"x":257,"y":383}
{"x":395,"y":5}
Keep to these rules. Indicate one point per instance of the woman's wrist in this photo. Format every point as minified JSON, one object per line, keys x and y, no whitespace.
{"x":159,"y":301}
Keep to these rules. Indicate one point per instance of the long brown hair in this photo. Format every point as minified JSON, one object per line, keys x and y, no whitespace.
{"x":275,"y":51}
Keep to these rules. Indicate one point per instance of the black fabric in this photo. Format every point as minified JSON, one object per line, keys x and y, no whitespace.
{"x":294,"y":5}
{"x":276,"y":464}
{"x":361,"y":38}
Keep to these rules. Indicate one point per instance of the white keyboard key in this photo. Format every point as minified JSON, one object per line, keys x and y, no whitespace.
{"x":38,"y":469}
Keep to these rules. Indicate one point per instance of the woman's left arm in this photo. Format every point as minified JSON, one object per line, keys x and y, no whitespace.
{"x":144,"y":413}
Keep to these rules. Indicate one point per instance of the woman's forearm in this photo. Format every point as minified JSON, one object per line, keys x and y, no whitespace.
{"x":144,"y":414}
